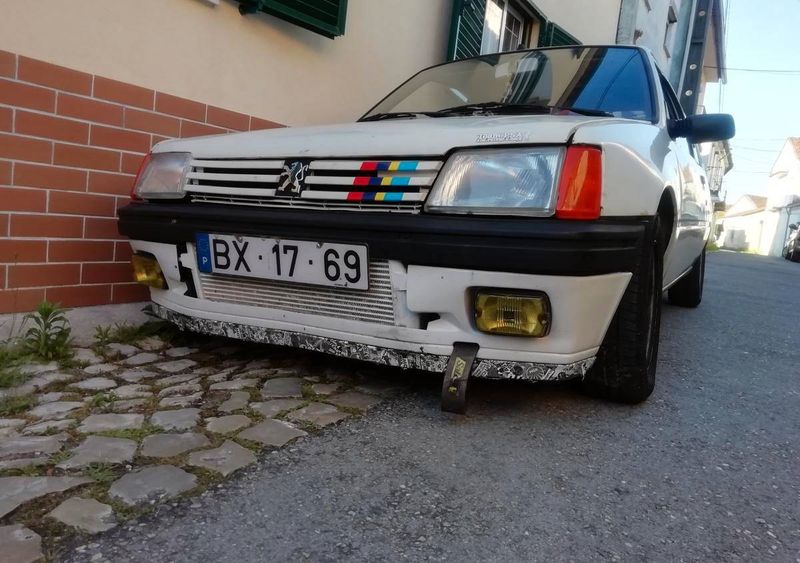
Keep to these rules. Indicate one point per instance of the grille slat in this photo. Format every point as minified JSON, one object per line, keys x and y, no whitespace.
{"x":374,"y":305}
{"x":356,"y":185}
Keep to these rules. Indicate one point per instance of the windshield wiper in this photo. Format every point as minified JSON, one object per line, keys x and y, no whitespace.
{"x":399,"y":115}
{"x":499,"y":107}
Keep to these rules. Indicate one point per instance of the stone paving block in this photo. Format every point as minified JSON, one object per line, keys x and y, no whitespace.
{"x":175,"y":379}
{"x":86,"y":355}
{"x":226,"y":459}
{"x":152,"y":483}
{"x":258,"y":364}
{"x":124,"y":350}
{"x":87,"y":515}
{"x":325,"y":389}
{"x":136,"y":375}
{"x":110,"y":421}
{"x":318,"y":414}
{"x":170,"y":445}
{"x":45,"y":379}
{"x":54,"y":396}
{"x":49,"y":426}
{"x":36,"y":369}
{"x":94,"y":384}
{"x":12,"y":422}
{"x":100,"y":449}
{"x":355,"y":400}
{"x":6,"y":433}
{"x":141,"y":359}
{"x":151,"y":344}
{"x":19,"y":544}
{"x":270,"y":409}
{"x":129,"y":405}
{"x":175,"y":366}
{"x":234,"y":384}
{"x":57,"y":409}
{"x":16,"y":490}
{"x":133,"y":391}
{"x":19,"y":463}
{"x":97,"y":369}
{"x":180,"y":351}
{"x":237,"y":401}
{"x":272,"y":433}
{"x":18,"y":391}
{"x":182,"y":389}
{"x":283,"y":388}
{"x":181,"y":419}
{"x":180,"y":401}
{"x":29,"y":445}
{"x":227,"y":424}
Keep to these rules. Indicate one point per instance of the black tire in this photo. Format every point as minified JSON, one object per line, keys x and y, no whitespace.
{"x":625,"y":368}
{"x":688,"y":291}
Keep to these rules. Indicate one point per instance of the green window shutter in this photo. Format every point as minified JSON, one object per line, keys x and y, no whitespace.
{"x":326,"y":17}
{"x":466,"y":29}
{"x":555,"y":36}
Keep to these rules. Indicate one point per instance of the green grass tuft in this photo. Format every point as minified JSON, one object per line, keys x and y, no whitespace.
{"x":14,"y":405}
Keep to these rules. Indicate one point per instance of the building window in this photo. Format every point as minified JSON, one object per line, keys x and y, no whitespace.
{"x":506,"y":27}
{"x":669,"y":32}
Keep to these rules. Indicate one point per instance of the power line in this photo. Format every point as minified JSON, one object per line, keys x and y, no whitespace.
{"x":739,"y":147}
{"x":766,"y":70}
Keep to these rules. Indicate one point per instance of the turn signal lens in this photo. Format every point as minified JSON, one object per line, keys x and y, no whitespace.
{"x":146,"y":271}
{"x":512,"y":314}
{"x":581,"y":184}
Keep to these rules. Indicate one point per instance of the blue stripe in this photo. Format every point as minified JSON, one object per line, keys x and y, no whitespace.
{"x":393,"y":196}
{"x":369,"y":196}
{"x":383,"y":166}
{"x":375,"y":181}
{"x":401,"y":181}
{"x":408,"y":166}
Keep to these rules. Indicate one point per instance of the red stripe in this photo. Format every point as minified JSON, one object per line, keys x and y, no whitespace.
{"x":369,"y":166}
{"x":361,"y":181}
{"x":355,"y":196}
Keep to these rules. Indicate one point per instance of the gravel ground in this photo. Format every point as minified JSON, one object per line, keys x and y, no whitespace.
{"x":707,"y":469}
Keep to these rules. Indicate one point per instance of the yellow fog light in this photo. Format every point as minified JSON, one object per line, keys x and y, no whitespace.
{"x":516,"y":314}
{"x":146,"y":271}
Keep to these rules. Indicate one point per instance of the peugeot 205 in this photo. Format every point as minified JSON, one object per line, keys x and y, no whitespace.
{"x":508,"y":216}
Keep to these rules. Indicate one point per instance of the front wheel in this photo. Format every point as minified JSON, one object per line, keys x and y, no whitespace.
{"x":625,"y":369}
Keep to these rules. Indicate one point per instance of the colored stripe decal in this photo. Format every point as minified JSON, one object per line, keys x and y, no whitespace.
{"x":390,"y":165}
{"x":383,"y":196}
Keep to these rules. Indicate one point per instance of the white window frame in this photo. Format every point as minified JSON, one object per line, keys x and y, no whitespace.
{"x":507,"y":7}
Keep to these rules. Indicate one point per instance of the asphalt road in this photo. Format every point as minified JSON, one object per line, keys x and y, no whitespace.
{"x":707,"y":469}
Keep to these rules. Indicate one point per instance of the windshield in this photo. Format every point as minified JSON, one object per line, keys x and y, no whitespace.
{"x":604,"y":80}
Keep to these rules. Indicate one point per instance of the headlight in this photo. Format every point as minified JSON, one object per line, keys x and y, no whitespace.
{"x":498,"y":182}
{"x":162,"y":176}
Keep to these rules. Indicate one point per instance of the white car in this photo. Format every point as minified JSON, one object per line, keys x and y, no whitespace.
{"x":512,"y":216}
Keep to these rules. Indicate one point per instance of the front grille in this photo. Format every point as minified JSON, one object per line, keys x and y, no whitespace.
{"x":354,"y":185}
{"x":372,"y":306}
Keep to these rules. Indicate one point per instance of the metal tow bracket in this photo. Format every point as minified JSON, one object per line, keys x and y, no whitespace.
{"x":456,"y":377}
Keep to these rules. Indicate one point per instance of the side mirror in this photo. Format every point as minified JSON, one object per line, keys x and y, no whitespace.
{"x":793,"y":227}
{"x":704,"y":128}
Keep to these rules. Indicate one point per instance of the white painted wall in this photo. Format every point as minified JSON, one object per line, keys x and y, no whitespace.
{"x":256,"y":64}
{"x":591,"y":21}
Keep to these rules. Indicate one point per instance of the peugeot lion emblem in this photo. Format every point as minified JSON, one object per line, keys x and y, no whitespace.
{"x":292,"y":179}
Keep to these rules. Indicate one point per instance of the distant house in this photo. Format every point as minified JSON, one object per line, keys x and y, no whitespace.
{"x":742,"y":228}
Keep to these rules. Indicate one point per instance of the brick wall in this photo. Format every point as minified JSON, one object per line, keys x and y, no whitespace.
{"x":70,"y":146}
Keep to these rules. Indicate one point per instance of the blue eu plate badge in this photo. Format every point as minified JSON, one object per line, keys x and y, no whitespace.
{"x":203,"y":247}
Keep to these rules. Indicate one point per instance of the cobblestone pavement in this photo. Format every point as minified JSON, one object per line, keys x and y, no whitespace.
{"x":130,"y":426}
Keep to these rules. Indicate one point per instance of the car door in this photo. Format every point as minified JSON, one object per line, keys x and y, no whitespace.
{"x":693,"y":197}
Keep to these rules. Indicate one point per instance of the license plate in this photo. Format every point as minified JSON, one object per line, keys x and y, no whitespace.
{"x":300,"y":261}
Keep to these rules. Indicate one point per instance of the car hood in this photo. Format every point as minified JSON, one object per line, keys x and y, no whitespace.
{"x":395,"y":138}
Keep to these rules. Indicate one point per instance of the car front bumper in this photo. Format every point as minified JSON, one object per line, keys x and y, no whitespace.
{"x":434,"y":264}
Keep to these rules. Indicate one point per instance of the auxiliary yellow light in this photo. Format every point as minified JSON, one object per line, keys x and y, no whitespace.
{"x":146,"y":271}
{"x":515,"y":314}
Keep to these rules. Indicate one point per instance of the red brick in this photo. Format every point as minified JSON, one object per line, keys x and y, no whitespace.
{"x":2,"y":277}
{"x":123,"y":93}
{"x":43,"y":275}
{"x":131,"y":163}
{"x":158,"y":138}
{"x":54,"y":76}
{"x":130,"y":293}
{"x":107,"y":183}
{"x":97,"y":228}
{"x":80,"y":295}
{"x":90,"y":110}
{"x":17,"y":251}
{"x":4,"y":224}
{"x":72,"y":203}
{"x":258,"y":124}
{"x":5,"y":172}
{"x":122,"y":251}
{"x":8,"y":64}
{"x":48,"y":226}
{"x":109,"y":272}
{"x":80,"y":251}
{"x":20,"y":300}
{"x":228,"y":119}
{"x":114,"y":138}
{"x":6,"y":119}
{"x":24,"y":148}
{"x":152,"y":122}
{"x":47,"y":176}
{"x":180,"y":107}
{"x":19,"y":199}
{"x":192,"y":129}
{"x":86,"y":157}
{"x":26,"y":96}
{"x":50,"y":127}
